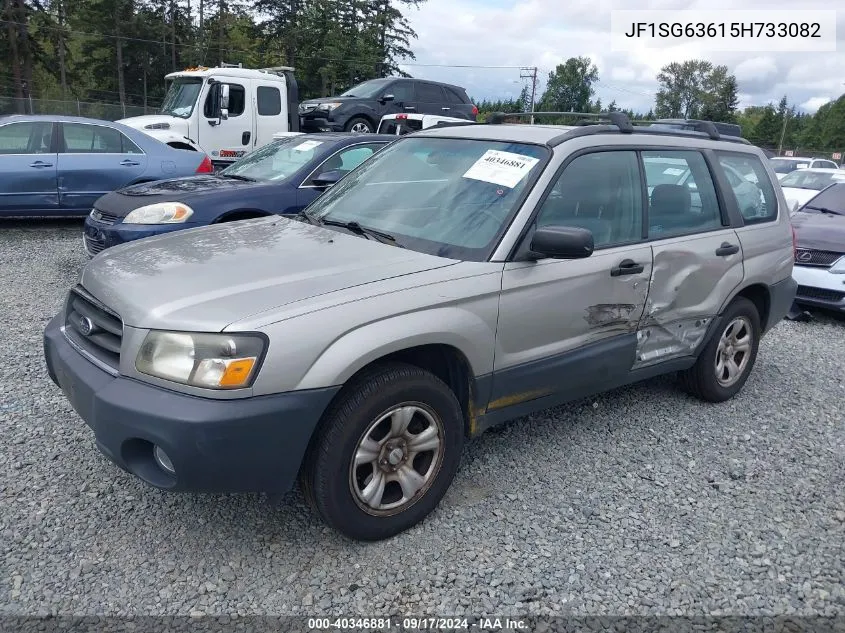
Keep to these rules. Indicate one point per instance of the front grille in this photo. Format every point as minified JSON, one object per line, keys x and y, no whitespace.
{"x":93,"y":246}
{"x":812,"y":257}
{"x":103,"y":218}
{"x":93,"y":327}
{"x":820,"y":294}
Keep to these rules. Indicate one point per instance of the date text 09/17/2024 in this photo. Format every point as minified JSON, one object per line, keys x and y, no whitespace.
{"x":417,"y":624}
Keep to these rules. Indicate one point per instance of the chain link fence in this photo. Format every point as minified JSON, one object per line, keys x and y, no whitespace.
{"x":90,"y":109}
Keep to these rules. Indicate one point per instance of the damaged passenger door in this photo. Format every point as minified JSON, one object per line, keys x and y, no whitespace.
{"x":568,"y":327}
{"x":697,"y":256}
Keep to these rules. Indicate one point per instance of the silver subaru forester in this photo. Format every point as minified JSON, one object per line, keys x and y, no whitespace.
{"x":461,"y":277}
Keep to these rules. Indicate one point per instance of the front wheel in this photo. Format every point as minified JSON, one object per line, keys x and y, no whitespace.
{"x":728,"y":358}
{"x":386,"y":452}
{"x":359,"y":125}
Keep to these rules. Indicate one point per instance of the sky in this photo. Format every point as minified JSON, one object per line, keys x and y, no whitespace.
{"x":544,"y":33}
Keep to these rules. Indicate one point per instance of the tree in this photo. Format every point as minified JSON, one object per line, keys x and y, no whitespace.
{"x":570,"y":86}
{"x":695,"y":89}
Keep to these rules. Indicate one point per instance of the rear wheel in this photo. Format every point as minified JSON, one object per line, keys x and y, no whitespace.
{"x":386,"y":452}
{"x":359,"y":125}
{"x":727,"y":360}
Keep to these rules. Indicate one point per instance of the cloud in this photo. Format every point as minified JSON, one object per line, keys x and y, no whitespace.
{"x":814,"y":103}
{"x":544,"y":33}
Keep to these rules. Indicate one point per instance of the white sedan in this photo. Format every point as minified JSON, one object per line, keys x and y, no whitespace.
{"x":802,"y":184}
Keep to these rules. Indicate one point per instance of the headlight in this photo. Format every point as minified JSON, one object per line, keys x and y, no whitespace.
{"x":212,"y":361}
{"x":838,"y":267}
{"x":328,"y":107}
{"x":160,"y":213}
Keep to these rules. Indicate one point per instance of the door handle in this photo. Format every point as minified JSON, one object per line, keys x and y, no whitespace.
{"x":40,"y":163}
{"x":129,"y":163}
{"x":727,"y":249}
{"x":626,"y":267}
{"x":245,"y":138}
{"x":445,"y":109}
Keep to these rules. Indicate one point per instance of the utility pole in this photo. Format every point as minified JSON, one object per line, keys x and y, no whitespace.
{"x":530,"y":73}
{"x":783,"y":131}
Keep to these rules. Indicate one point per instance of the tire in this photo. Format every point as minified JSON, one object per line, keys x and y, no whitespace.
{"x":336,"y":488}
{"x":705,"y":380}
{"x":359,"y":125}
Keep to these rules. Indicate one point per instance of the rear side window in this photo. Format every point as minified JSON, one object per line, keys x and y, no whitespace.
{"x":453,"y":96}
{"x":81,"y":138}
{"x":826,"y":164}
{"x":682,"y":196}
{"x":429,"y":93}
{"x":750,"y":185}
{"x":269,"y":101}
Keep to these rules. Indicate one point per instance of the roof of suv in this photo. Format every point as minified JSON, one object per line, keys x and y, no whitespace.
{"x":501,"y":132}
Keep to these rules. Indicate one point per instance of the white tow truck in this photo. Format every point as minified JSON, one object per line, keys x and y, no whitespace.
{"x":225,"y":111}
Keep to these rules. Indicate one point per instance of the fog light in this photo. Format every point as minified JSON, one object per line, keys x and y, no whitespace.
{"x":163,"y":460}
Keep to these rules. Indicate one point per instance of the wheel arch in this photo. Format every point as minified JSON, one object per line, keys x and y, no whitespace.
{"x":760,"y":296}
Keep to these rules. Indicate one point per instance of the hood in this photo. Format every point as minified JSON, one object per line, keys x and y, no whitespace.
{"x":206,"y":278}
{"x":186,"y":190}
{"x":820,"y":231}
{"x":796,"y":197}
{"x":152,"y":123}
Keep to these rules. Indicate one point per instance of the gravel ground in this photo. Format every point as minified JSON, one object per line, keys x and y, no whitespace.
{"x":643,"y":501}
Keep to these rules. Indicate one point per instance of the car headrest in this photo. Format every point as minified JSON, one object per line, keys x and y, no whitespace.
{"x":670,"y":199}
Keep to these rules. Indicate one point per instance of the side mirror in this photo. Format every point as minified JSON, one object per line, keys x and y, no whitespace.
{"x":328,"y":178}
{"x":224,"y":97}
{"x":386,"y":98}
{"x":562,"y":242}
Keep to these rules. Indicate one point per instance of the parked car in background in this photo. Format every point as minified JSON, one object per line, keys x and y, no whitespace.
{"x":784,"y":165}
{"x":405,"y":123}
{"x":820,"y":255}
{"x":802,"y":184}
{"x":360,"y":108}
{"x":460,"y":278}
{"x":58,"y":165}
{"x":280,"y":178}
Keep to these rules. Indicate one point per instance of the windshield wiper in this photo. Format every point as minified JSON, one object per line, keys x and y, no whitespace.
{"x":352,"y":225}
{"x":304,"y":215}
{"x":823,"y":209}
{"x":237,"y":177}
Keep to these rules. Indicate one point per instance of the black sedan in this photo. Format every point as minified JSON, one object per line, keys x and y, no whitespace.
{"x":282,"y":177}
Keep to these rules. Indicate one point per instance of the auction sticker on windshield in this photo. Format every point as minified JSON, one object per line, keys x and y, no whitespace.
{"x":307,"y":145}
{"x":501,"y":168}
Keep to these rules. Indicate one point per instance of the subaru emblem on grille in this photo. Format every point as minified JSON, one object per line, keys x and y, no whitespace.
{"x":804,"y":256}
{"x":86,"y":326}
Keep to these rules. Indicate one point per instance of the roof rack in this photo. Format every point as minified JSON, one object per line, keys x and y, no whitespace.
{"x":618,"y":122}
{"x":618,"y":119}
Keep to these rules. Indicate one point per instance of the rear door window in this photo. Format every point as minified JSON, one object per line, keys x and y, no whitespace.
{"x":681,"y":193}
{"x":269,"y":101}
{"x":429,"y":93}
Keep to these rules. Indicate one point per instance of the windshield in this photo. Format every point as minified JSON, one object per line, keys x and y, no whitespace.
{"x":831,"y":199}
{"x":368,"y":89}
{"x":275,"y":161}
{"x":783,"y":166}
{"x":805,"y":179}
{"x":181,"y":97}
{"x":448,"y":197}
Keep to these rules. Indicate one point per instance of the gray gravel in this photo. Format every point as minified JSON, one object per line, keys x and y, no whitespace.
{"x":643,"y":501}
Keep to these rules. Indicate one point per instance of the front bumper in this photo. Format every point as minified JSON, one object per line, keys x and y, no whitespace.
{"x":311,"y":123}
{"x":819,"y":288}
{"x":99,"y":236}
{"x":245,"y":445}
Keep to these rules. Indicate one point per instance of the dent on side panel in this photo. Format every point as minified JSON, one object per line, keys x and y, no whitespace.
{"x":687,"y":290}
